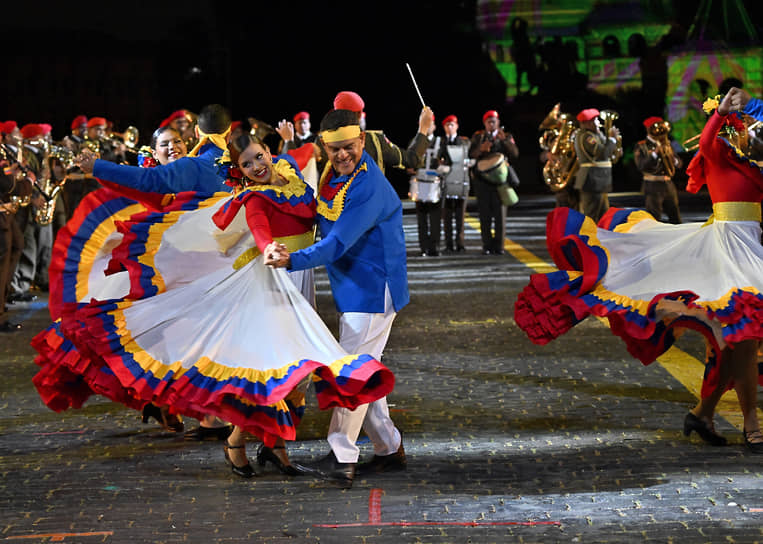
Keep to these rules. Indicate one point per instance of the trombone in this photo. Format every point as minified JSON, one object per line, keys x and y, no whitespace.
{"x":755,"y":125}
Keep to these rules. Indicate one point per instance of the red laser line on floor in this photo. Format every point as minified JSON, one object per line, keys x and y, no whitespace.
{"x":430,"y":523}
{"x":374,"y":518}
{"x":374,"y":505}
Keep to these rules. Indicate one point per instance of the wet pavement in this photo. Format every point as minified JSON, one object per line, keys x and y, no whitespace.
{"x":506,"y":441}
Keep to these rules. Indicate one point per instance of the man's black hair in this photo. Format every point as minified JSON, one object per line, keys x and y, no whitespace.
{"x":338,"y":118}
{"x":214,"y":119}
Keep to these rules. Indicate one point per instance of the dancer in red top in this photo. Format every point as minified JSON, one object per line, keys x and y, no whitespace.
{"x":653,"y":280}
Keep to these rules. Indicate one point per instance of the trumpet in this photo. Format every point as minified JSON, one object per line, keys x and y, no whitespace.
{"x":609,"y":117}
{"x":129,"y":137}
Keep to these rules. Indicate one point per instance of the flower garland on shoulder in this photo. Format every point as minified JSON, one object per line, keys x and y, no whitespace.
{"x":232,"y":174}
{"x":146,"y":157}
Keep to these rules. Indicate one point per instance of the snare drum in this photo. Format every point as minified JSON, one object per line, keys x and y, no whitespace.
{"x":426,"y":186}
{"x":457,"y":179}
{"x":494,"y":168}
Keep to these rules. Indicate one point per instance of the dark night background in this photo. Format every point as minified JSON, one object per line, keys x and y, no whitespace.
{"x":136,"y":62}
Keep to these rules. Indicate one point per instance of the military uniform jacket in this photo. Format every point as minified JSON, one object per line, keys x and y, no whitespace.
{"x":593,"y":150}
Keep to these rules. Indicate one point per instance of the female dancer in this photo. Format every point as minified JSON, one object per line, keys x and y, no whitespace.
{"x":205,"y":327}
{"x":652,"y":280}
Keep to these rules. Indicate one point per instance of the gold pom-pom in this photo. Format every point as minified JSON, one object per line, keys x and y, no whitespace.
{"x":711,"y":103}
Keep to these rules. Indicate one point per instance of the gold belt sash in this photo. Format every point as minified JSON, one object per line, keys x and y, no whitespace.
{"x":737,"y":211}
{"x":653,"y":177}
{"x":293,"y":243}
{"x":597,"y":164}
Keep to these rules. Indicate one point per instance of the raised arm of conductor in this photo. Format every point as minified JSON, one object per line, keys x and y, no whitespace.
{"x":414,"y":154}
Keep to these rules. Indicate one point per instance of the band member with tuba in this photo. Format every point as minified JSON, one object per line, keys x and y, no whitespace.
{"x":558,"y":156}
{"x":595,"y":151}
{"x":655,"y":159}
{"x":491,"y":141}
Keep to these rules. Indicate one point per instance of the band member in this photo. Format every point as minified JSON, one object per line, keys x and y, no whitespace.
{"x":655,"y":159}
{"x":429,"y":210}
{"x":300,"y":134}
{"x":362,"y":245}
{"x":75,"y":140}
{"x":492,"y":211}
{"x":14,"y":186}
{"x":594,"y":151}
{"x":558,"y":156}
{"x":456,"y":183}
{"x":32,"y":268}
{"x":17,"y":193}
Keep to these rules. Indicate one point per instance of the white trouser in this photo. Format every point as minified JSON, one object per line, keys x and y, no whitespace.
{"x":364,"y":333}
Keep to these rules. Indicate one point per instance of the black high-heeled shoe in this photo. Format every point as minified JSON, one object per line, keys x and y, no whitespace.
{"x":245,"y":471}
{"x":754,"y":447}
{"x":169,"y":422}
{"x":265,"y":454}
{"x":704,"y":430}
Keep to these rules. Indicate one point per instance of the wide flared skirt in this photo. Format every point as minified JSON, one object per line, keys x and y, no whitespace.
{"x":651,"y":280}
{"x":206,"y":328}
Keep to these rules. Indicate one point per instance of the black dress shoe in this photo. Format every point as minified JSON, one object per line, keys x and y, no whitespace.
{"x":754,"y":447}
{"x":385,"y":463}
{"x":486,"y":252}
{"x":460,"y":249}
{"x":704,"y":430}
{"x":245,"y":471}
{"x":330,"y":469}
{"x":208,"y":433}
{"x":265,"y":454}
{"x":7,"y":326}
{"x":169,"y":422}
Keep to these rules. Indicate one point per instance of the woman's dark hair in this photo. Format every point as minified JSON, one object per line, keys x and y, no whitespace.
{"x":159,"y":131}
{"x":237,"y":145}
{"x":338,"y":118}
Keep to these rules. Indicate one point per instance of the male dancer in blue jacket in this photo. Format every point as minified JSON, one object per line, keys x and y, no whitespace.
{"x":195,"y":172}
{"x":363,"y":248}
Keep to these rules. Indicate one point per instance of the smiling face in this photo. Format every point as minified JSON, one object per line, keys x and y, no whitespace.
{"x":256,"y":163}
{"x":169,"y":147}
{"x":345,"y":155}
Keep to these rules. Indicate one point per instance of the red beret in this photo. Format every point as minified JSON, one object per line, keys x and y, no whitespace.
{"x":46,"y":128}
{"x":649,"y":121}
{"x":588,"y":114}
{"x":79,"y":121}
{"x":8,"y":127}
{"x":32,"y":130}
{"x":179,"y":114}
{"x":348,"y":100}
{"x":234,"y":125}
{"x":302,"y":115}
{"x":489,"y":113}
{"x":449,"y":119}
{"x":96,"y":122}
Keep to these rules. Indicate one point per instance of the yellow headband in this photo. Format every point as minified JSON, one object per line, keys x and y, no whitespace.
{"x":341,"y":134}
{"x":217,"y":139}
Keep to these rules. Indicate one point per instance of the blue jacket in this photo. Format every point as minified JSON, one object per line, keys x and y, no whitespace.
{"x":186,"y":174}
{"x":364,"y":248}
{"x":754,"y":108}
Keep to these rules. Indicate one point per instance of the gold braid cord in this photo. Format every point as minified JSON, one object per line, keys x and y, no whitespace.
{"x":337,"y":203}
